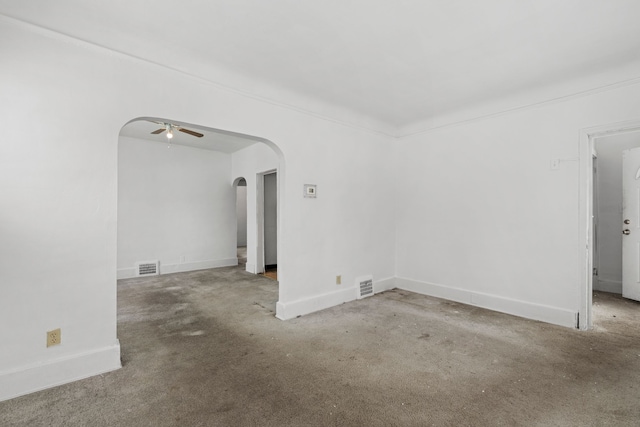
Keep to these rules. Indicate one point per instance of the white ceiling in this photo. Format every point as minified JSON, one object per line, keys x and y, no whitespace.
{"x":214,"y":140}
{"x":395,"y":62}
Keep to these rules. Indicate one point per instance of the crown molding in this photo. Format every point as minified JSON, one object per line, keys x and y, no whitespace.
{"x":358,"y":122}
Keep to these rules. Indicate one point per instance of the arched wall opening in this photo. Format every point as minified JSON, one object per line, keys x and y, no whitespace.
{"x":177,"y":198}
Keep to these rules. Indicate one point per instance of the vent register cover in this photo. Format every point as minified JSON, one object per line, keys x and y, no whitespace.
{"x":147,"y":268}
{"x":365,"y":289}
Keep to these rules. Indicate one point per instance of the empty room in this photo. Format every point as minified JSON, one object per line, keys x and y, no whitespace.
{"x":320,"y":213}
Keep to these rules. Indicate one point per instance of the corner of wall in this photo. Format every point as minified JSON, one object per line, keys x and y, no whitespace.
{"x":528,"y":310}
{"x":290,"y":310}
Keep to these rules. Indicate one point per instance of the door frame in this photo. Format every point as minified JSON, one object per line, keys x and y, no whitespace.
{"x":260,"y":267}
{"x":236,"y":184}
{"x":586,"y":197}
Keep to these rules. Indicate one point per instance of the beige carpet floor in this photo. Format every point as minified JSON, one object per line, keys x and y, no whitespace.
{"x":204,"y":349}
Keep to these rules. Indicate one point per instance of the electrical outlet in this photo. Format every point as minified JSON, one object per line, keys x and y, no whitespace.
{"x":54,"y":337}
{"x":339,"y":279}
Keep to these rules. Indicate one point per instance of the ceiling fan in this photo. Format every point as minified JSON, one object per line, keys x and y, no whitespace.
{"x":170,"y":127}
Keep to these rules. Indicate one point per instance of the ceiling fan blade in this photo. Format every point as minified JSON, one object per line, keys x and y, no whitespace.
{"x":190,"y":132}
{"x":156,"y":132}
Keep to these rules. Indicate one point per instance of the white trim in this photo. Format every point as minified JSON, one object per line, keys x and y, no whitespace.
{"x":259,"y":247}
{"x":259,"y":267}
{"x":585,"y":211}
{"x":290,"y":310}
{"x":198,"y":265}
{"x":29,"y":379}
{"x":359,"y":121}
{"x":372,"y":125}
{"x":384,"y":285}
{"x":128,"y":273}
{"x":585,"y":228}
{"x":544,"y":313}
{"x":422,"y":126}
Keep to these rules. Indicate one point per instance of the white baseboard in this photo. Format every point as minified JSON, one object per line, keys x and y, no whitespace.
{"x":290,"y":310}
{"x":384,"y":285}
{"x":128,"y":273}
{"x":53,"y":373}
{"x":197,"y":265}
{"x":251,"y":268}
{"x":544,"y":313}
{"x":605,"y":285}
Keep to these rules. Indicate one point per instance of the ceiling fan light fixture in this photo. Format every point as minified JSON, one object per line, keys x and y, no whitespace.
{"x":169,"y":128}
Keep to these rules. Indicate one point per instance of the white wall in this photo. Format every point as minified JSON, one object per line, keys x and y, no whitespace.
{"x":483,"y":219}
{"x":58,"y":204}
{"x":175,"y":205}
{"x":470,"y":211}
{"x":241,"y":214}
{"x":609,"y":209}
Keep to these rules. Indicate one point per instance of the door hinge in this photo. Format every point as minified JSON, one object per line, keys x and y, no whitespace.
{"x":595,"y":271}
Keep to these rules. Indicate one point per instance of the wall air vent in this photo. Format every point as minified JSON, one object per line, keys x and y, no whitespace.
{"x":147,"y":268}
{"x":365,"y":289}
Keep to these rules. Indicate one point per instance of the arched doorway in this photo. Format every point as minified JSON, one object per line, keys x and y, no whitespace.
{"x":176,"y":207}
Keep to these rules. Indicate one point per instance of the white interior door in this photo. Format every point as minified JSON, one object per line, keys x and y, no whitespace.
{"x":631,"y":224}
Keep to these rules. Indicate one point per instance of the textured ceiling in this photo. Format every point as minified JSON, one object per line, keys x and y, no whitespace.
{"x":392,"y":62}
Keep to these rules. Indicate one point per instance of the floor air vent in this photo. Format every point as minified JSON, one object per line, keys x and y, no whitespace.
{"x":147,"y":268}
{"x":366,"y":288}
